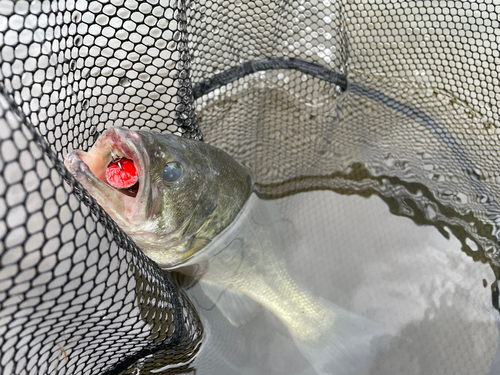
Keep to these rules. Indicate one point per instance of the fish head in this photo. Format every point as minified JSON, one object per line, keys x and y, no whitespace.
{"x":187,"y":191}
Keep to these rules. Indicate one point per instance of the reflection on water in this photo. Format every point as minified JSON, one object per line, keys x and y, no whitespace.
{"x":414,"y":281}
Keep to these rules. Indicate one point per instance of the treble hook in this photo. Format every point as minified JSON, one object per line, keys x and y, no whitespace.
{"x":114,"y":158}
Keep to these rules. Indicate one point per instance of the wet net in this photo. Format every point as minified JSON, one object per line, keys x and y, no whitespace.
{"x":368,"y":98}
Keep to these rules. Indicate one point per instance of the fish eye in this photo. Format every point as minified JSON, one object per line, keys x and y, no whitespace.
{"x":172,"y":172}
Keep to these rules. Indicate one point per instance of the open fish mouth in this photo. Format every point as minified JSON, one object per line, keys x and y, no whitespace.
{"x":115,"y":144}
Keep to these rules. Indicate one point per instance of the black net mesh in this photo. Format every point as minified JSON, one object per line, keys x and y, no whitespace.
{"x":77,"y":295}
{"x":367,"y":98}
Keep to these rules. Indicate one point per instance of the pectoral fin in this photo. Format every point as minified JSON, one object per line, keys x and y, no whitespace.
{"x":236,"y":307}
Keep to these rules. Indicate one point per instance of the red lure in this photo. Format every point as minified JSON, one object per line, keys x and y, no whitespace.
{"x":121,"y":173}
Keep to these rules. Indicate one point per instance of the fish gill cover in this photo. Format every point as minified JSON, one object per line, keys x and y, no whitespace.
{"x":397,"y":100}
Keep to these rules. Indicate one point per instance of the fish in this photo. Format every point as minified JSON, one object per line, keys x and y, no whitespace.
{"x":196,"y":210}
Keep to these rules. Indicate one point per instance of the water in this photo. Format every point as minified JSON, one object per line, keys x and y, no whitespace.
{"x":420,"y":286}
{"x":389,"y":192}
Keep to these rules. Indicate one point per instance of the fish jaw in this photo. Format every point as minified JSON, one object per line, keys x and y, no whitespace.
{"x":89,"y":168}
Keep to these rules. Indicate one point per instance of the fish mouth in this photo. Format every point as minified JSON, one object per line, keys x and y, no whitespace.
{"x":89,"y":168}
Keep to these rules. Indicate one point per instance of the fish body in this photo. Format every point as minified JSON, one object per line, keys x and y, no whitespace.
{"x":207,"y":214}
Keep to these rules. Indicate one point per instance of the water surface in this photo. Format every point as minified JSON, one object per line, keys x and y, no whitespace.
{"x":431,"y":297}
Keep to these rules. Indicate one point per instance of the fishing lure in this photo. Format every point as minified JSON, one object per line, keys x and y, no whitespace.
{"x":121,"y":173}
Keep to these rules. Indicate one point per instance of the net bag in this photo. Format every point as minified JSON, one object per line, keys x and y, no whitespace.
{"x":77,"y":295}
{"x":395,"y":100}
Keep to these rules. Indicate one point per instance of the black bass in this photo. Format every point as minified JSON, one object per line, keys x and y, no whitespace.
{"x":195,"y":205}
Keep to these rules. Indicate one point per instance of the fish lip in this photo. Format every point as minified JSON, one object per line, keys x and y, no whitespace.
{"x":122,"y":142}
{"x":97,"y":188}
